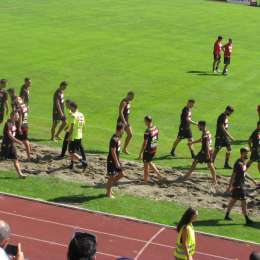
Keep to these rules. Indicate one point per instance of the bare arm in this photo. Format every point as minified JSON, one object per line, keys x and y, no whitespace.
{"x":70,"y":131}
{"x":114,"y":156}
{"x":59,"y":108}
{"x":10,"y":135}
{"x":231,"y":181}
{"x":142,"y":148}
{"x":195,"y":142}
{"x":121,"y":111}
{"x":250,"y":143}
{"x":226,"y":132}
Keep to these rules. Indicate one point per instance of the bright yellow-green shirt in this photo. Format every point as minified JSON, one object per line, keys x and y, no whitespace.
{"x":78,"y":121}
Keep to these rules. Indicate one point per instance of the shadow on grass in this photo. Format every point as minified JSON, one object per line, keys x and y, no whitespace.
{"x":39,"y":139}
{"x":214,"y":223}
{"x":203,"y":73}
{"x":77,"y":199}
{"x":93,"y":151}
{"x":240,"y":142}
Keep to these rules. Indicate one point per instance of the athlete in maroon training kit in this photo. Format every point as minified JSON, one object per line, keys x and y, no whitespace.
{"x":217,"y":54}
{"x":227,"y":48}
{"x":3,"y":99}
{"x":149,"y":148}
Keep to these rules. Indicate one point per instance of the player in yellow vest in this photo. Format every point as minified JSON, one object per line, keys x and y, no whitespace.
{"x":186,"y":242}
{"x":75,"y":136}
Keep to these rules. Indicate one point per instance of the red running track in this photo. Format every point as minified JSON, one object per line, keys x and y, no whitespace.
{"x":46,"y":229}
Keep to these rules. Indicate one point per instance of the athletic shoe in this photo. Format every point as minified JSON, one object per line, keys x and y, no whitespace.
{"x":173,"y":153}
{"x":227,"y":166}
{"x":227,"y":217}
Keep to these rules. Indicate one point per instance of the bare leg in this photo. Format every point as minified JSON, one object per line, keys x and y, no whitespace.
{"x":229,"y":208}
{"x":174,"y":146}
{"x":215,"y":154}
{"x":62,"y":126}
{"x":109,"y":187}
{"x":129,"y":136}
{"x":258,"y":165}
{"x":18,"y":169}
{"x":249,"y":163}
{"x":146,"y":172}
{"x":213,"y":172}
{"x":27,"y":148}
{"x":193,"y":166}
{"x":218,"y":62}
{"x":228,"y":153}
{"x":152,"y":165}
{"x":244,"y":207}
{"x":214,"y":65}
{"x":191,"y":148}
{"x":53,"y":128}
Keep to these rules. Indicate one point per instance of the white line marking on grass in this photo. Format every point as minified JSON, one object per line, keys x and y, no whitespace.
{"x":149,"y":242}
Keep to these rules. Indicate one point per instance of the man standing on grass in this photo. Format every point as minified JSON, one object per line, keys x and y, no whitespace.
{"x":3,"y":100}
{"x":75,"y":137}
{"x":8,"y":149}
{"x":223,"y":137}
{"x":149,"y":148}
{"x":254,"y":145}
{"x":13,"y":99}
{"x":217,"y":54}
{"x":114,"y":169}
{"x":123,"y":117}
{"x":205,"y":154}
{"x":237,"y":185}
{"x":58,"y":111}
{"x":227,"y":48}
{"x":25,"y":91}
{"x":185,"y":128}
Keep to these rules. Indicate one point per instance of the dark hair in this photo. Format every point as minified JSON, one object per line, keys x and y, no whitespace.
{"x":191,"y":101}
{"x":130,"y":93}
{"x":254,"y":256}
{"x":186,"y":218}
{"x":3,"y":81}
{"x":258,"y":123}
{"x":68,"y":101}
{"x":244,"y":150}
{"x":230,"y":39}
{"x":82,"y":246}
{"x":64,"y":84}
{"x":148,"y":118}
{"x":11,"y":90}
{"x":202,"y":123}
{"x":220,"y":37}
{"x":27,"y":79}
{"x":73,"y":104}
{"x":120,"y":126}
{"x":230,"y":108}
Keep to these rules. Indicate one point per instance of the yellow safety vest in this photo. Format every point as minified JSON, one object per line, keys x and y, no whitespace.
{"x":191,"y":243}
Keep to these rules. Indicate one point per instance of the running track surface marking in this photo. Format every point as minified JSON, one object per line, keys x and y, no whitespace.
{"x":45,"y":231}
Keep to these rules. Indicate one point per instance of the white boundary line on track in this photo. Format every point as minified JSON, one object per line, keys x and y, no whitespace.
{"x":149,"y":242}
{"x":55,"y":243}
{"x":105,"y":233}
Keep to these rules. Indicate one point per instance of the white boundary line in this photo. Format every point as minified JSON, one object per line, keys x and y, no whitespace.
{"x":121,"y":216}
{"x":149,"y":242}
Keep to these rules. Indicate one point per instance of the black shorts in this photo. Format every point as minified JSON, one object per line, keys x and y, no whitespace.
{"x":238,"y":194}
{"x":185,"y":133}
{"x":74,"y":145}
{"x":24,"y":135}
{"x":57,"y":117}
{"x":120,"y":121}
{"x":255,"y":156}
{"x":222,"y":142}
{"x":112,"y":170}
{"x":147,"y":156}
{"x":202,"y":157}
{"x":8,"y":151}
{"x":226,"y":60}
{"x":217,"y":57}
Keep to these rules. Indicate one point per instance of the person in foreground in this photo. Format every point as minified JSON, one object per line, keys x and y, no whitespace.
{"x":5,"y":232}
{"x":186,"y":241}
{"x":82,"y":246}
{"x":237,"y":185}
{"x":114,"y":169}
{"x":8,"y":149}
{"x":149,"y":148}
{"x":123,"y":117}
{"x":254,"y":256}
{"x":205,"y":154}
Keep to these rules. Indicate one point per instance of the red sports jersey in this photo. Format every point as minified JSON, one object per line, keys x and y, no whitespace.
{"x":217,"y":48}
{"x":228,"y":50}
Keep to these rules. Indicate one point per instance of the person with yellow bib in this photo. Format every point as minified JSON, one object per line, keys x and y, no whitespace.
{"x":186,"y":242}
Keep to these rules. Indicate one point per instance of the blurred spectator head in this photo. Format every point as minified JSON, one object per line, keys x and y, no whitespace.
{"x":4,"y":233}
{"x":82,"y":247}
{"x":254,"y":256}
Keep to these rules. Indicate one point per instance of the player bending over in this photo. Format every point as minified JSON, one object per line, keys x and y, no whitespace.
{"x":223,"y":137}
{"x":185,"y":128}
{"x":58,"y":111}
{"x":205,"y":154}
{"x":217,"y":54}
{"x":149,"y":148}
{"x":254,"y":145}
{"x":8,"y":149}
{"x":123,"y":117}
{"x":75,"y":137}
{"x":114,"y":169}
{"x":237,"y":185}
{"x":3,"y":100}
{"x":227,"y":48}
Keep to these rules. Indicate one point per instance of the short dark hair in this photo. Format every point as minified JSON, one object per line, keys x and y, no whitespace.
{"x":11,"y":90}
{"x":3,"y":81}
{"x":244,"y":150}
{"x":220,"y":37}
{"x":254,"y":256}
{"x":120,"y":126}
{"x":148,"y":118}
{"x":230,"y":108}
{"x":64,"y":83}
{"x":27,"y":79}
{"x":202,"y":123}
{"x":130,"y":93}
{"x":82,"y":246}
{"x":258,"y":123}
{"x":68,"y":101}
{"x":73,"y":104}
{"x":230,"y":40}
{"x":191,"y":101}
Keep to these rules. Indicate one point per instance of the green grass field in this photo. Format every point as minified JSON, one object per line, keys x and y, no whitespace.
{"x":162,"y":50}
